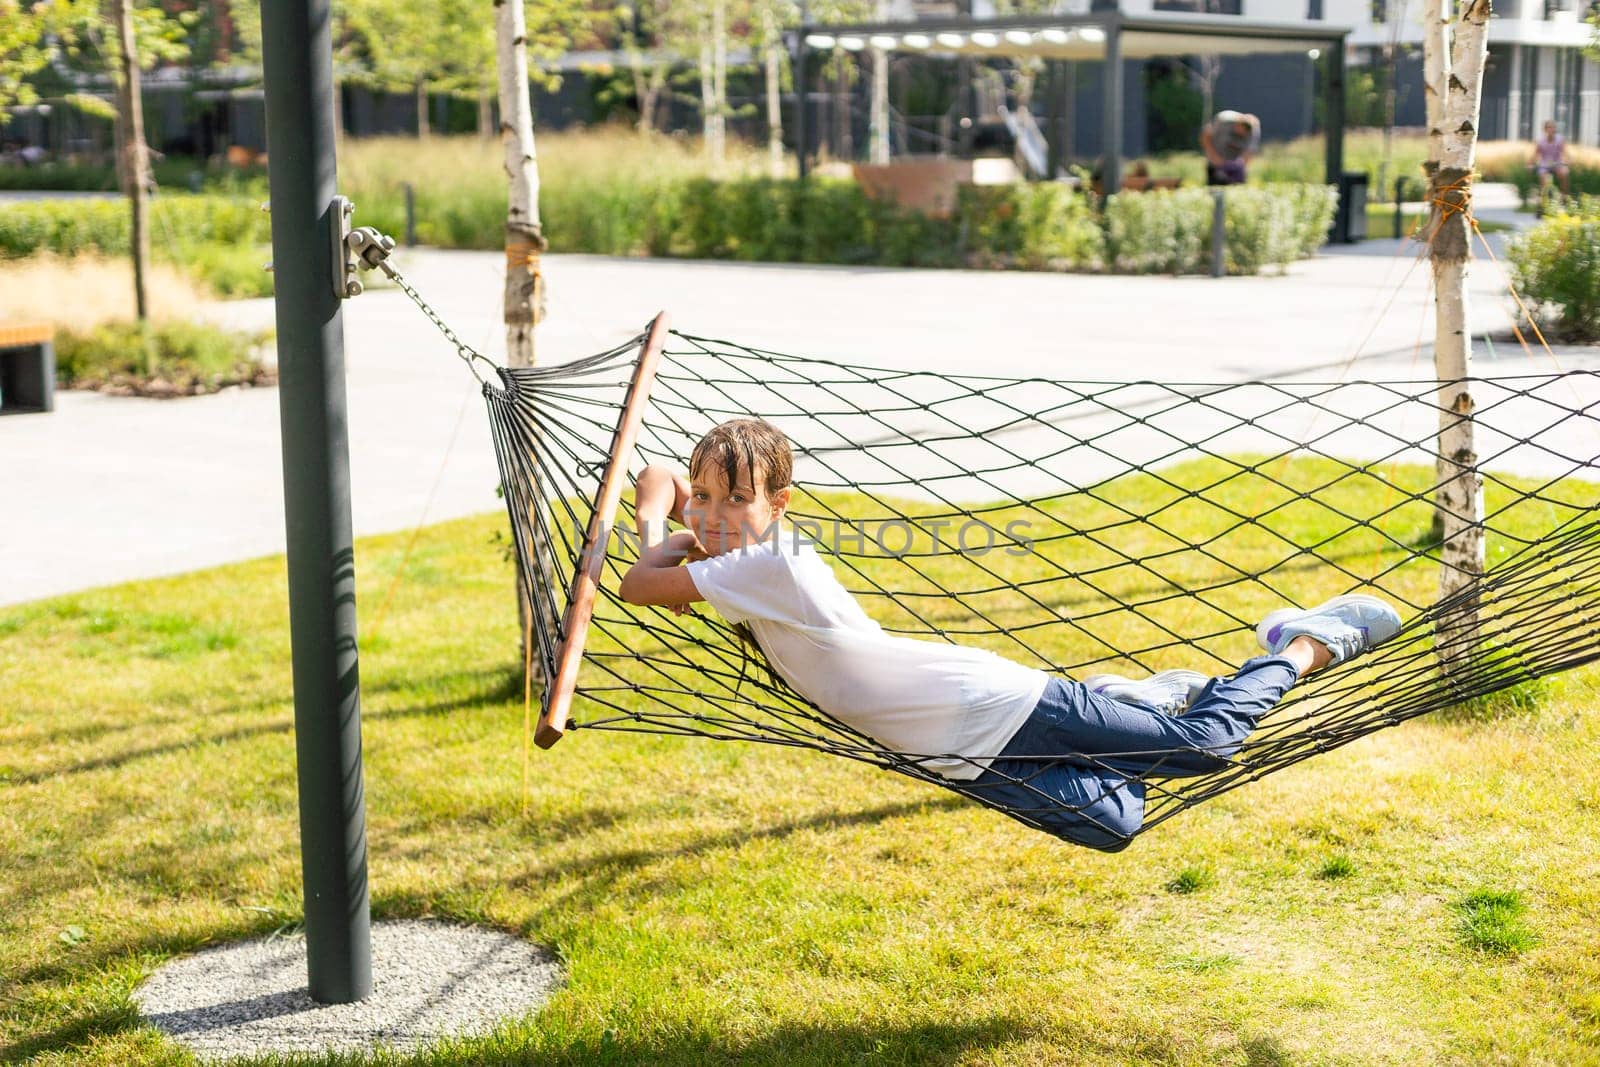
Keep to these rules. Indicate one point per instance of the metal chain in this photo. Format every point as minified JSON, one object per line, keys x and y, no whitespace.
{"x":373,"y":250}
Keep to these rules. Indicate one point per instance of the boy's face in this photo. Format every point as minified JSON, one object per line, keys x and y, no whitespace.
{"x":1549,"y":129}
{"x":725,"y":518}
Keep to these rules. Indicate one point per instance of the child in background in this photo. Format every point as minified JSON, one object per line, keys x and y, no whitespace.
{"x":1550,"y":159}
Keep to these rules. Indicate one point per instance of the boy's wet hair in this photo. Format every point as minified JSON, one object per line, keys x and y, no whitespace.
{"x":748,"y":443}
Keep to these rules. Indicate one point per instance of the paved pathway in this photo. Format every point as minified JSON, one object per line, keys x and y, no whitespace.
{"x":107,"y":489}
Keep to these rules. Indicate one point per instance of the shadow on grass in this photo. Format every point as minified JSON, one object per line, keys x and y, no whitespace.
{"x":927,"y":1043}
{"x":598,"y":875}
{"x":697,"y":1044}
{"x":821,"y":1044}
{"x":501,"y":687}
{"x":73,"y":1033}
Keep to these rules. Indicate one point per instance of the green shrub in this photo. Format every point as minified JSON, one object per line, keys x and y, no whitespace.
{"x":230,"y":271}
{"x":1274,"y":225}
{"x":222,"y":242}
{"x":1168,"y":231}
{"x":1556,"y":268}
{"x":1315,"y":205}
{"x":172,"y":358}
{"x":1040,"y":227}
{"x":65,"y":177}
{"x":1261,"y":229}
{"x":1159,"y":232}
{"x":68,"y":227}
{"x":173,"y":173}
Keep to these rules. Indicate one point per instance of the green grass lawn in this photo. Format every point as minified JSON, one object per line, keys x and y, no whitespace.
{"x":1429,"y":894}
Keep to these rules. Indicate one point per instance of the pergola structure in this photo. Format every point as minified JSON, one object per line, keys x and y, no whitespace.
{"x":1106,"y":36}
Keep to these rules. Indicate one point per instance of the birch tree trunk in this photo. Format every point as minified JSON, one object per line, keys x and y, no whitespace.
{"x":135,"y":154}
{"x":843,"y":146}
{"x":641,"y":92}
{"x":878,"y":114}
{"x":719,"y":81}
{"x":525,"y":243}
{"x":769,"y":28}
{"x":485,"y":116}
{"x":1210,"y":68}
{"x":1453,"y":61}
{"x":713,"y":82}
{"x":524,"y":290}
{"x":652,"y":97}
{"x":649,"y":78}
{"x":708,"y":93}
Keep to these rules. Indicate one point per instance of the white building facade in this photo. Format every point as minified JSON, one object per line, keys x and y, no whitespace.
{"x":1537,"y":67}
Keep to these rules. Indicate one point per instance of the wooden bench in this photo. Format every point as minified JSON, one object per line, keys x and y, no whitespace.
{"x":27,"y":367}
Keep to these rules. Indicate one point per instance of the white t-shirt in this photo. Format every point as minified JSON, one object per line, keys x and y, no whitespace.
{"x":922,"y":698}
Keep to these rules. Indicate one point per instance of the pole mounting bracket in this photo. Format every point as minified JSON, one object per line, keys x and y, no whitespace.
{"x":345,"y":282}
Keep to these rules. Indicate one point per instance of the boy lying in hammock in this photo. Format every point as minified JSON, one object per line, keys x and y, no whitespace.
{"x":1008,"y":724}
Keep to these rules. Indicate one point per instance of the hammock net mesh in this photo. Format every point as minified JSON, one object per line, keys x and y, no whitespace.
{"x":1074,"y":526}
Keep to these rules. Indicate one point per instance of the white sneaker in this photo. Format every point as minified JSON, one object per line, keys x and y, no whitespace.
{"x":1346,"y":625}
{"x":1168,"y":691}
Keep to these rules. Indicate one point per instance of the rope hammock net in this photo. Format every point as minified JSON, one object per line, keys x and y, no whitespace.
{"x":1077,"y":527}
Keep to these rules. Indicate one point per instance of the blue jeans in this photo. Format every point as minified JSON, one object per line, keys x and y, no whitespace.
{"x":1075,"y":768}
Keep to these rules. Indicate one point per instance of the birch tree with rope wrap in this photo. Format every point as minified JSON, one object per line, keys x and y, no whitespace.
{"x":1453,"y":62}
{"x":524,"y":304}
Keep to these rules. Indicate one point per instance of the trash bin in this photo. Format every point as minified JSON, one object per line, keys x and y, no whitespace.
{"x":1350,"y":218}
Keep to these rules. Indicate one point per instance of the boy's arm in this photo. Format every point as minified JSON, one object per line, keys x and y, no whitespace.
{"x":657,"y":578}
{"x":658,"y":495}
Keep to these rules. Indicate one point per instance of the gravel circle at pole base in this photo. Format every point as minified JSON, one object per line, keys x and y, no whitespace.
{"x":430,"y":980}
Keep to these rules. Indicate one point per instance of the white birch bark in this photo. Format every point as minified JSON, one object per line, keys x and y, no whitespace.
{"x":878,"y":118}
{"x":769,"y":28}
{"x":719,"y":81}
{"x":1454,"y":58}
{"x":1435,"y":56}
{"x":524,"y":296}
{"x":647,"y":86}
{"x":708,"y":93}
{"x":485,"y":116}
{"x":525,"y":243}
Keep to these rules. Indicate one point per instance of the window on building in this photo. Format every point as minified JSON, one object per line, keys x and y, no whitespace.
{"x":1203,"y":7}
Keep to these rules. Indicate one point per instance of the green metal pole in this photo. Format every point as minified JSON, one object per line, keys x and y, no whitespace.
{"x":1111,"y":85}
{"x":298,"y":66}
{"x":1333,"y":110}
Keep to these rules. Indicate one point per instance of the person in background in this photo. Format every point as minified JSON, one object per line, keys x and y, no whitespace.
{"x":1230,"y":141}
{"x":1550,"y":159}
